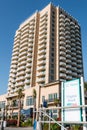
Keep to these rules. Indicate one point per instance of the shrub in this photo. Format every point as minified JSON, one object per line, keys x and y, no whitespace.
{"x":27,"y":123}
{"x":11,"y":122}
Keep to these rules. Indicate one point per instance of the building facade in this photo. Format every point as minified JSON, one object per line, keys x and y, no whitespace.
{"x":47,"y":50}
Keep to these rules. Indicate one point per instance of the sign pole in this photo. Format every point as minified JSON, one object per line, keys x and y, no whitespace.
{"x":83,"y":103}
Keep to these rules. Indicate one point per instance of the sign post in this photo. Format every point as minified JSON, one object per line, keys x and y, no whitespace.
{"x":72,"y":97}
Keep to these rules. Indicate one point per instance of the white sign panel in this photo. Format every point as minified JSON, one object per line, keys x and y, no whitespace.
{"x":71,"y":97}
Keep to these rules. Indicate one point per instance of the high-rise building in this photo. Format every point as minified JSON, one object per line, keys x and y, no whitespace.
{"x":47,"y":47}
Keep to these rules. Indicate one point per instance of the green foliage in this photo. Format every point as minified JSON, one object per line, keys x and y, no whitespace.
{"x":34,"y":94}
{"x":27,"y":123}
{"x":54,"y":127}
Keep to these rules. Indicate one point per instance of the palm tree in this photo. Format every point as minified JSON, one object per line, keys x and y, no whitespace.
{"x":20,"y":96}
{"x":12,"y":107}
{"x":57,"y":103}
{"x":34,"y":94}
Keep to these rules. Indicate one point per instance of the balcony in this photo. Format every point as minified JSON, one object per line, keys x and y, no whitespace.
{"x":73,"y":49}
{"x":22,"y":58}
{"x":41,"y":74}
{"x":29,"y":65}
{"x":24,"y":40}
{"x":42,"y":57}
{"x":73,"y":54}
{"x":24,"y":49}
{"x":62,"y":75}
{"x":79,"y":66}
{"x":22,"y":63}
{"x":27,"y":75}
{"x":69,"y":72}
{"x":44,"y":31}
{"x":67,"y":37}
{"x":42,"y":41}
{"x":28,"y":70}
{"x":43,"y":22}
{"x":15,"y":53}
{"x":74,"y":68}
{"x":62,"y":29}
{"x":21,"y":68}
{"x":42,"y":18}
{"x":62,"y":69}
{"x":43,"y":27}
{"x":68,"y":41}
{"x":26,"y":31}
{"x":25,"y":27}
{"x":43,"y":62}
{"x":62,"y":53}
{"x":62,"y":58}
{"x":68,"y":51}
{"x":29,"y":59}
{"x":27,"y":81}
{"x":62,"y":16}
{"x":67,"y":20}
{"x":41,"y":68}
{"x":42,"y":52}
{"x":24,"y":36}
{"x":62,"y":43}
{"x":14,"y":57}
{"x":43,"y":46}
{"x":20,"y":84}
{"x":68,"y":56}
{"x":62,"y":24}
{"x":62,"y":63}
{"x":14,"y":62}
{"x":68,"y":61}
{"x":78,"y":52}
{"x":79,"y":56}
{"x":40,"y":80}
{"x":20,"y":73}
{"x":30,"y":49}
{"x":77,"y":27}
{"x":31,"y":31}
{"x":74,"y":74}
{"x":43,"y":37}
{"x":23,"y":44}
{"x":62,"y":48}
{"x":31,"y":40}
{"x":68,"y":66}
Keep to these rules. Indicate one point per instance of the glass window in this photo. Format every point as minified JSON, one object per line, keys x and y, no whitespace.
{"x":29,"y":101}
{"x":43,"y":98}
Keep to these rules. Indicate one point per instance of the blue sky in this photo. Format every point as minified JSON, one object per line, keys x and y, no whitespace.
{"x":14,"y":12}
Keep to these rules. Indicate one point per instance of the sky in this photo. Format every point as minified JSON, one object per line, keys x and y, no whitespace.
{"x":14,"y":12}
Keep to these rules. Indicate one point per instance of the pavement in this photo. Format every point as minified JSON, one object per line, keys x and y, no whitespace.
{"x":18,"y":128}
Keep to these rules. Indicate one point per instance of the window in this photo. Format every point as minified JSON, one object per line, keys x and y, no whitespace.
{"x":52,"y":96}
{"x":52,"y":65}
{"x":29,"y":101}
{"x":43,"y":98}
{"x":52,"y":71}
{"x":52,"y":60}
{"x":52,"y":54}
{"x":52,"y":49}
{"x":52,"y":77}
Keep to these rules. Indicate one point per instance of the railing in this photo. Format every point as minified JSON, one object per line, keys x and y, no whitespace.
{"x":41,"y":113}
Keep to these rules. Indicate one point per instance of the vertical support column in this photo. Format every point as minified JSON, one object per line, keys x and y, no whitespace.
{"x":83,"y":103}
{"x":62,"y":105}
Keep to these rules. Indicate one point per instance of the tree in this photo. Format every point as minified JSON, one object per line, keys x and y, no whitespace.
{"x":20,"y":96}
{"x":34,"y":94}
{"x":56,"y":102}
